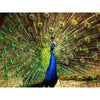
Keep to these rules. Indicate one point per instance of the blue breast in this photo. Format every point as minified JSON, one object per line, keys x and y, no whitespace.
{"x":51,"y":74}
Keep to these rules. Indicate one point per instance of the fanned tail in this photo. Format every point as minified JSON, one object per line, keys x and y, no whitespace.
{"x":25,"y":40}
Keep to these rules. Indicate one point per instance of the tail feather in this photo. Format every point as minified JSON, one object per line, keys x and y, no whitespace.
{"x":25,"y":40}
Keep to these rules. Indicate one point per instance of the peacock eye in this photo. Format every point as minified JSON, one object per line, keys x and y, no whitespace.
{"x":2,"y":35}
{"x":61,"y":24}
{"x":12,"y":61}
{"x":22,"y":14}
{"x":97,"y":75}
{"x":7,"y":67}
{"x":20,"y":27}
{"x":0,"y":57}
{"x":25,"y":62}
{"x":38,"y":38}
{"x":12,"y":14}
{"x":29,"y":29}
{"x":75,"y":36}
{"x":33,"y":43}
{"x":46,"y":38}
{"x":32,"y":17}
{"x":97,"y":14}
{"x":11,"y":29}
{"x":65,"y":37}
{"x":18,"y":54}
{"x":46,"y":15}
{"x":16,"y":75}
{"x":74,"y":22}
{"x":6,"y":49}
{"x":86,"y":24}
{"x":51,"y":29}
{"x":39,"y":24}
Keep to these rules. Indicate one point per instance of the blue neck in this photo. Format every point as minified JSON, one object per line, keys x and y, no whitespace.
{"x":52,"y":62}
{"x":51,"y":73}
{"x":52,"y":53}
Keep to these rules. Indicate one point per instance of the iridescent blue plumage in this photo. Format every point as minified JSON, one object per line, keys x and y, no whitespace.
{"x":51,"y":74}
{"x":36,"y":49}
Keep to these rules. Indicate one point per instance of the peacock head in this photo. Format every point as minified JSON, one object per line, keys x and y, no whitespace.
{"x":52,"y":46}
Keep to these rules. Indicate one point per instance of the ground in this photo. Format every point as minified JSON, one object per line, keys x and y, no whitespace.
{"x":72,"y":83}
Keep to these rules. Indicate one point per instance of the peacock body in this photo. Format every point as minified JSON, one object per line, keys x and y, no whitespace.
{"x":38,"y":48}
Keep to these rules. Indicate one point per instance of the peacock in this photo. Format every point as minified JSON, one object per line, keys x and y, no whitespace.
{"x":37,"y":49}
